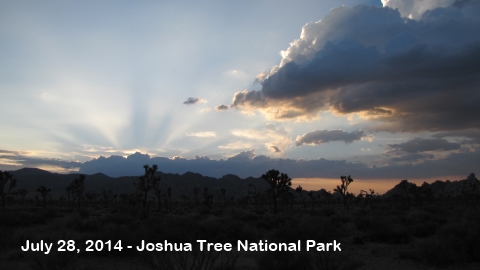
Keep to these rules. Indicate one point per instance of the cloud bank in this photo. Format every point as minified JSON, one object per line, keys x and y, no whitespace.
{"x":247,"y":164}
{"x":420,"y":74}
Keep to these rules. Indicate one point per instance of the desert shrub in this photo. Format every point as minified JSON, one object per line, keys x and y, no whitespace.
{"x":385,"y":230}
{"x":424,"y":230}
{"x":55,"y":260}
{"x":454,"y":243}
{"x":83,"y":213}
{"x":327,"y":211}
{"x":330,"y":260}
{"x":6,"y":238}
{"x":196,"y":259}
{"x":87,"y":225}
{"x":119,"y":219}
{"x":283,"y":260}
{"x":22,"y":218}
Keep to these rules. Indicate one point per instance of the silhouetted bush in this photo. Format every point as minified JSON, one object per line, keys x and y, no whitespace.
{"x":453,"y":244}
{"x":283,"y":260}
{"x":327,"y":211}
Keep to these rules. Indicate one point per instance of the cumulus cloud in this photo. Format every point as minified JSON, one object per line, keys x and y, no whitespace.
{"x":424,"y":145}
{"x":324,"y":136}
{"x":414,"y":9}
{"x":204,"y":134}
{"x":221,"y":107}
{"x":399,"y":73}
{"x":247,"y":163}
{"x":193,"y":100}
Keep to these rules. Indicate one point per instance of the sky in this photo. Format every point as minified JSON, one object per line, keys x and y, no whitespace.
{"x":380,"y":90}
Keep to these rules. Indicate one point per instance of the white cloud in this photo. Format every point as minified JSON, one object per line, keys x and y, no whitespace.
{"x":414,"y":9}
{"x":204,"y":134}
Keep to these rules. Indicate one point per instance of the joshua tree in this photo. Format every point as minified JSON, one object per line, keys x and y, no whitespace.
{"x":223,"y":190}
{"x":299,"y":190}
{"x":195,"y":195}
{"x":278,"y":183}
{"x":367,"y":196}
{"x":157,"y":191}
{"x":405,"y":185}
{"x":472,"y":187}
{"x":166,"y":198}
{"x":311,"y":194}
{"x":4,"y":178}
{"x":342,"y":189}
{"x":107,"y":196}
{"x":426,"y":190}
{"x":208,"y":198}
{"x":76,"y":188}
{"x":44,"y":192}
{"x":146,"y":182}
{"x":22,"y":193}
{"x":185,"y":198}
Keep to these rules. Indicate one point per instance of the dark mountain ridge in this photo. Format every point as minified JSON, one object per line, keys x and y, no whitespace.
{"x":32,"y":178}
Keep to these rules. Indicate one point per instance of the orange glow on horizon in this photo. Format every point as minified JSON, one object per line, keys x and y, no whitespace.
{"x":379,"y":185}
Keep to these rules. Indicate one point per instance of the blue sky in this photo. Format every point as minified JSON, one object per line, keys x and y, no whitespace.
{"x":389,"y":84}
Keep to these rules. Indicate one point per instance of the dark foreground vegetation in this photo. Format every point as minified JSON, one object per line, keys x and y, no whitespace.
{"x":409,"y":229}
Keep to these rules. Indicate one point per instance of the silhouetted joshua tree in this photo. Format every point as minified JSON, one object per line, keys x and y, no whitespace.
{"x":342,"y":189}
{"x":195,"y":195}
{"x":4,"y":178}
{"x":76,"y":188}
{"x":22,"y":193}
{"x":405,"y":186}
{"x":44,"y":192}
{"x":299,"y":190}
{"x":311,"y":194}
{"x":208,"y":198}
{"x":278,"y":183}
{"x":223,"y":191}
{"x":157,"y":191}
{"x":166,"y":198}
{"x":145,"y":183}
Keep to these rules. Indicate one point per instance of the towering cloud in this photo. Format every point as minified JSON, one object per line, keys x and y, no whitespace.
{"x":402,"y":74}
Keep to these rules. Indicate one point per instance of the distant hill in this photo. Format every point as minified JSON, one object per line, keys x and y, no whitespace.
{"x":440,"y":188}
{"x":32,"y":178}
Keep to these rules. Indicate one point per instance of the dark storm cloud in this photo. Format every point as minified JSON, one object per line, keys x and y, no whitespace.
{"x":324,"y":136}
{"x":221,"y":107}
{"x":424,"y":145}
{"x":407,"y":75}
{"x":247,"y":164}
{"x":192,"y":100}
